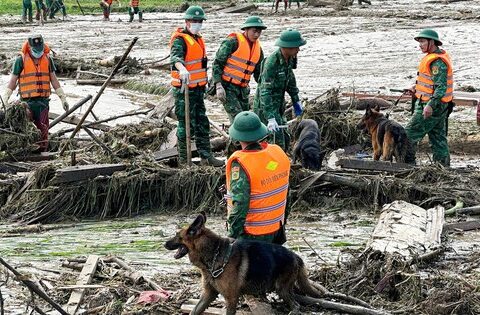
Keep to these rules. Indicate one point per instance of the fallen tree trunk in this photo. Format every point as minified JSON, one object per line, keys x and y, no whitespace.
{"x":351,"y":309}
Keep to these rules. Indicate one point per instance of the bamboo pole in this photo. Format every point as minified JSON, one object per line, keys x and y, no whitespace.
{"x":70,"y":110}
{"x":187,"y":126}
{"x":104,"y":86}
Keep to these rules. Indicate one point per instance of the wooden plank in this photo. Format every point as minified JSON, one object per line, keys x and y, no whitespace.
{"x":14,"y":167}
{"x":73,"y":120}
{"x":169,"y":153}
{"x":82,"y":172}
{"x":371,"y":165}
{"x":85,"y":277}
{"x":460,"y":98}
{"x":462,"y":226}
{"x":239,"y":8}
{"x":100,"y":82}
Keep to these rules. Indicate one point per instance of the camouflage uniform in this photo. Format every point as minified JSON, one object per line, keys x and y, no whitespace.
{"x":240,"y":191}
{"x":435,"y":125}
{"x":199,"y":125}
{"x":236,"y":96}
{"x":27,"y":10}
{"x":276,"y":78}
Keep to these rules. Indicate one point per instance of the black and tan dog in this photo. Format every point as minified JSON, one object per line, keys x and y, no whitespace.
{"x":307,"y":145}
{"x":240,"y":267}
{"x":389,"y":138}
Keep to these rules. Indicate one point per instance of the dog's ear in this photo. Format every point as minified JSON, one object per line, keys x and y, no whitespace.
{"x":197,"y":225}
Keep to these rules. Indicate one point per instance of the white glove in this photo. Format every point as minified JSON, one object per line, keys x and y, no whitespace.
{"x":184,"y":75}
{"x":6,"y":96}
{"x":63,"y":98}
{"x":272,"y":125}
{"x":221,"y":92}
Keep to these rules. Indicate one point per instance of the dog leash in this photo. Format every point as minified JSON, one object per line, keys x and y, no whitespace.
{"x":217,"y":272}
{"x":387,"y":114}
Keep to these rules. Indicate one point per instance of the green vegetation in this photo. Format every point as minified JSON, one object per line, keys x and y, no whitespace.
{"x":342,"y":244}
{"x":92,"y":6}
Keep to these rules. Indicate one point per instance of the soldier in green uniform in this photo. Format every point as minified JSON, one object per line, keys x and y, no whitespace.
{"x":276,"y":78}
{"x":27,"y":11}
{"x":434,"y":93}
{"x":55,"y":6}
{"x":234,"y":93}
{"x":41,"y":10}
{"x":189,"y":64}
{"x":249,"y":130}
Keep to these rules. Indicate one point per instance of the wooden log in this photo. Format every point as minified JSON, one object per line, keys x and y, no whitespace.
{"x":170,"y":153}
{"x":239,"y":8}
{"x":73,"y":120}
{"x":33,"y":287}
{"x":82,"y":172}
{"x":85,"y":277}
{"x":136,"y":275}
{"x":69,"y":111}
{"x":462,"y":226}
{"x":351,"y":309}
{"x":100,"y":82}
{"x":371,"y":165}
{"x":469,"y":210}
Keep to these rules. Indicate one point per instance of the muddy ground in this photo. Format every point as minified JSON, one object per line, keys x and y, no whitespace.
{"x":362,"y":48}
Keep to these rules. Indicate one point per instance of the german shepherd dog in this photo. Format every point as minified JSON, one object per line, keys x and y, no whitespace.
{"x":236,"y":267}
{"x":389,"y":138}
{"x":307,"y":145}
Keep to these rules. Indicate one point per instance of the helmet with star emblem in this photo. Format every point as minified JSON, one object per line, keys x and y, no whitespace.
{"x":195,"y":13}
{"x":253,"y":21}
{"x":247,"y":127}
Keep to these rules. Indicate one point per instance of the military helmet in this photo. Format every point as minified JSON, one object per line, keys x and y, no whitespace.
{"x":253,"y":21}
{"x":429,"y":34}
{"x":247,"y":127}
{"x":36,"y":43}
{"x":290,"y":38}
{"x":195,"y":13}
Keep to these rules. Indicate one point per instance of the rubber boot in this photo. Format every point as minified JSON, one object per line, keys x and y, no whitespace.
{"x":212,"y":161}
{"x":140,"y":16}
{"x":131,"y":17}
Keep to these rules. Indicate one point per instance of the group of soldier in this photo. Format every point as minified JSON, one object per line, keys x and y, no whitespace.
{"x":258,"y":172}
{"x":44,"y":9}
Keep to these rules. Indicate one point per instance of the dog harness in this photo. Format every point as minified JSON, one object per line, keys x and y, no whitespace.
{"x":424,"y":86}
{"x":215,"y":273}
{"x":241,"y":64}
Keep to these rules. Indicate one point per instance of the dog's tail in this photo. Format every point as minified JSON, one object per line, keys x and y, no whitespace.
{"x":304,"y":286}
{"x":404,"y":149}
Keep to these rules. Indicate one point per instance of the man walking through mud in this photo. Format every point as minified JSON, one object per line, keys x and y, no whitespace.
{"x":34,"y":71}
{"x":188,"y":60}
{"x":433,"y":95}
{"x":276,"y":78}
{"x":257,"y":180}
{"x":238,"y":58}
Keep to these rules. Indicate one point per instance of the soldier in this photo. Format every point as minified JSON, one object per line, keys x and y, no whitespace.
{"x":41,"y":10}
{"x":238,"y":57}
{"x":434,"y":93}
{"x":55,"y":6}
{"x":257,"y":183}
{"x":276,"y":78}
{"x":134,"y":9}
{"x":107,"y":6}
{"x":27,"y":11}
{"x":189,"y":68}
{"x":34,"y":71}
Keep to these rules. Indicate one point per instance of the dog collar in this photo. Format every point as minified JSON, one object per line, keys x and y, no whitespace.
{"x":217,"y":272}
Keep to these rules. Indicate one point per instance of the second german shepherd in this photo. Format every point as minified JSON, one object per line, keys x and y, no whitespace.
{"x":233,"y":268}
{"x":389,"y":138}
{"x":307,"y":145}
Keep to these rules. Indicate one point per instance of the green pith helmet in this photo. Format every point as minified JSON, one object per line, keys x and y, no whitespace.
{"x":253,"y":21}
{"x":36,"y":43}
{"x":429,"y":34}
{"x":290,"y":38}
{"x":195,"y":13}
{"x":247,"y":127}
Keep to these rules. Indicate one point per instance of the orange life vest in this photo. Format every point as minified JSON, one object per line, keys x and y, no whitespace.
{"x":34,"y":80}
{"x":424,"y":86}
{"x":241,"y":64}
{"x":268,"y":171}
{"x":134,"y":3}
{"x":195,"y":60}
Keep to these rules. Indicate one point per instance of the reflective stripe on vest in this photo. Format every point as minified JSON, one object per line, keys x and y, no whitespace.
{"x":34,"y":80}
{"x":268,"y":171}
{"x":241,"y":64}
{"x":194,"y":57}
{"x":424,"y":86}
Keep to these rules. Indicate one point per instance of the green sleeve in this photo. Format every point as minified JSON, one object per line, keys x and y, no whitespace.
{"x":292,"y":89}
{"x":240,"y":192}
{"x":439,"y":71}
{"x":17,"y":66}
{"x":227,"y":47}
{"x":178,"y":51}
{"x":52,"y":66}
{"x":258,"y":67}
{"x":268,"y":87}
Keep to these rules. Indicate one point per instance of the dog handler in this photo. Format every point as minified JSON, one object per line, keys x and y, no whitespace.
{"x":257,"y":183}
{"x":434,"y":93}
{"x":276,"y":78}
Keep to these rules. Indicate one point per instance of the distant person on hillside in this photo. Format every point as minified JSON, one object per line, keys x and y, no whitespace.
{"x":106,"y":6}
{"x":133,"y":9}
{"x":27,"y":10}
